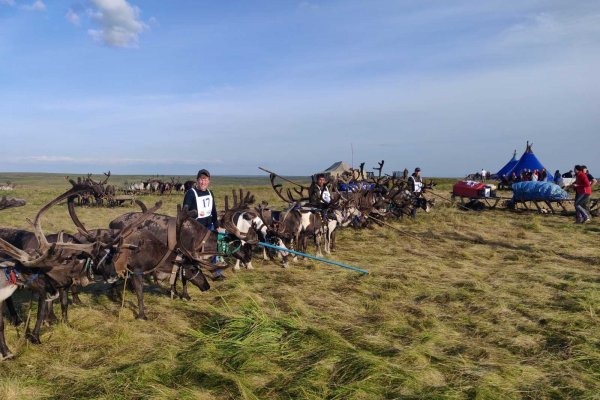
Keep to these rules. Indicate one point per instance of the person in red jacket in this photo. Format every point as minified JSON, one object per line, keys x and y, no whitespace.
{"x":583,"y":190}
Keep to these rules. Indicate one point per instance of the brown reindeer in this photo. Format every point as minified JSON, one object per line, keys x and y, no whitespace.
{"x":157,"y":241}
{"x":10,"y":203}
{"x":51,"y":264}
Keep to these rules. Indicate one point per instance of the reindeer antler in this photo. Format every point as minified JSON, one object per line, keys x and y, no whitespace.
{"x":107,"y":177}
{"x":240,"y":204}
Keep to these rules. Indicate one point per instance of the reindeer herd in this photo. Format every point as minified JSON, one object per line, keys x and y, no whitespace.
{"x":109,"y":195}
{"x":158,"y":186}
{"x":147,"y":244}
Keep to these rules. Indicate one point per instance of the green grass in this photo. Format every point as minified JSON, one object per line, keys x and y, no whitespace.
{"x":490,"y":305}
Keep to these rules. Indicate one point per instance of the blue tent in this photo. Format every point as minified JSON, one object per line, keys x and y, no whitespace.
{"x":508,"y":167}
{"x":530,"y":162}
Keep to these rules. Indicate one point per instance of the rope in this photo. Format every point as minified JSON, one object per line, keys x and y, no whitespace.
{"x":394,"y":228}
{"x":224,"y":247}
{"x":450,"y":201}
{"x":362,"y":271}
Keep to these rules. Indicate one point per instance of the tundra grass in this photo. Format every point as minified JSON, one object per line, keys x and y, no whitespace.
{"x":484,"y":305}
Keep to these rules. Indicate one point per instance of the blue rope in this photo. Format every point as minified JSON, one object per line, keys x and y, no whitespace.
{"x":362,"y":271}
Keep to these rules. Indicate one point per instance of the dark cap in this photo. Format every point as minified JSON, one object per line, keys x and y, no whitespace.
{"x":417,"y":169}
{"x":203,"y":172}
{"x":583,"y":167}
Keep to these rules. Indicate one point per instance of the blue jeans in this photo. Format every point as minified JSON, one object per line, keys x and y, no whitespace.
{"x":581,"y":212}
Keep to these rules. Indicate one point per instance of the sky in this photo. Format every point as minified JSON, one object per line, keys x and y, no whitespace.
{"x":168,"y":87}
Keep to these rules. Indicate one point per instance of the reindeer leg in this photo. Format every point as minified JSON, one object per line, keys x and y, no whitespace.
{"x":173,"y":279}
{"x":285,"y":257}
{"x":15,"y":319}
{"x":6,"y":354}
{"x":236,"y":267}
{"x":333,"y":235}
{"x":113,"y":292}
{"x":304,"y":244}
{"x":138,"y":284}
{"x":50,"y":318}
{"x":64,"y":305}
{"x":34,"y":337}
{"x":318,"y":240}
{"x":298,"y":246}
{"x":76,"y":299}
{"x":249,"y":265}
{"x":184,"y":294}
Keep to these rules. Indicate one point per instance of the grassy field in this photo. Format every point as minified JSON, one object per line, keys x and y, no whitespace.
{"x":485,"y":305}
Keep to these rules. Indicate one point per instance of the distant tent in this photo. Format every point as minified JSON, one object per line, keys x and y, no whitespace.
{"x":508,"y":167}
{"x":336,"y":169}
{"x":530,"y":162}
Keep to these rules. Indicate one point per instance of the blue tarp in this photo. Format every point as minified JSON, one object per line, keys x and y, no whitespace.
{"x":354,"y":187}
{"x":508,"y":167}
{"x":525,"y":191}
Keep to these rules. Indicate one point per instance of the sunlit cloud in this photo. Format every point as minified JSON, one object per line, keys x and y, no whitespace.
{"x":119,"y":23}
{"x":38,"y":5}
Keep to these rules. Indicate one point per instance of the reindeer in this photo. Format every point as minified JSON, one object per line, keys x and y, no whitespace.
{"x":45,"y":264}
{"x":299,"y":220}
{"x":168,"y":236}
{"x":268,"y":232}
{"x":188,"y":185}
{"x":10,"y":203}
{"x":8,"y":186}
{"x":178,"y":186}
{"x":64,"y":261}
{"x":245,"y":221}
{"x":100,"y":190}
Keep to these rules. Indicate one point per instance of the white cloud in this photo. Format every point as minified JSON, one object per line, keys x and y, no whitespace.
{"x":8,"y":2}
{"x":120,"y":24}
{"x":73,"y":17}
{"x":546,"y":29}
{"x":38,"y":5}
{"x":307,"y":5}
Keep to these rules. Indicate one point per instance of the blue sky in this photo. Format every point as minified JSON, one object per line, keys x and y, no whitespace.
{"x":169,"y":87}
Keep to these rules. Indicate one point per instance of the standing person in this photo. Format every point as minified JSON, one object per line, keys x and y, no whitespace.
{"x":583,"y":191}
{"x":201,"y":200}
{"x":543,"y":175}
{"x":557,"y":176}
{"x":483,"y":174}
{"x":534,"y":175}
{"x":415,"y":186}
{"x":593,"y":181}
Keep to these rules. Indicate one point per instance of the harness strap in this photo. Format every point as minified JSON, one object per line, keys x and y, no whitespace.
{"x":196,"y":259}
{"x":122,"y":257}
{"x":204,"y":239}
{"x":171,"y":244}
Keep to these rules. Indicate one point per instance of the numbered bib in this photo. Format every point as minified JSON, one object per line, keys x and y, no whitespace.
{"x":326,"y":196}
{"x":204,"y":205}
